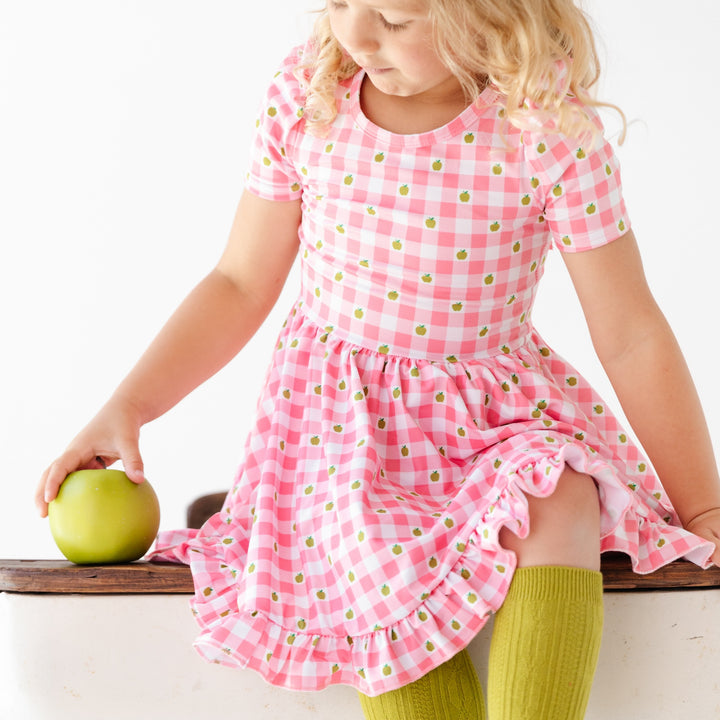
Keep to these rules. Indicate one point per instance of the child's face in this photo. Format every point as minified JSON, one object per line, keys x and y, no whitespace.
{"x":392,"y":41}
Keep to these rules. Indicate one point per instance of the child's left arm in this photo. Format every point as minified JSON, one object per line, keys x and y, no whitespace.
{"x":645,"y":365}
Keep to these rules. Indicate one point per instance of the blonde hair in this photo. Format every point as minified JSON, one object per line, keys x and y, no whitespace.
{"x":539,"y":55}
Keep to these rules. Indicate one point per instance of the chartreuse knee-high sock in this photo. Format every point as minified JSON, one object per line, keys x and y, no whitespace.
{"x":545,"y":645}
{"x":451,"y":691}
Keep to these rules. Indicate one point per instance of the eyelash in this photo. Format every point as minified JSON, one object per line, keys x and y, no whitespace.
{"x":392,"y":27}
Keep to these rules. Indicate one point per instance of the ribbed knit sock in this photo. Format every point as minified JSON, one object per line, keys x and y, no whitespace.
{"x":451,"y":691}
{"x":545,"y":645}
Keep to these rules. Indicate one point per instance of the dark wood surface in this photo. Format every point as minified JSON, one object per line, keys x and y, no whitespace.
{"x":618,"y":575}
{"x":60,"y":576}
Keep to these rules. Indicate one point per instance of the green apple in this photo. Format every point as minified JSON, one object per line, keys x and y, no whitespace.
{"x":101,"y":517}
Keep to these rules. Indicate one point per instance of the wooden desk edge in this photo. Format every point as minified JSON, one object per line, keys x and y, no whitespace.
{"x":62,"y":577}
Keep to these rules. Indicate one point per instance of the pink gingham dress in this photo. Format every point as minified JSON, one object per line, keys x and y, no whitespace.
{"x":411,"y":406}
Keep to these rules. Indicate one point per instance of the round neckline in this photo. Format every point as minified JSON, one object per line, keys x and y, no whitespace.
{"x":454,"y":127}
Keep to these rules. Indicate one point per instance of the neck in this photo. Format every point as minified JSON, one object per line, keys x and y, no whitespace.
{"x":415,"y":113}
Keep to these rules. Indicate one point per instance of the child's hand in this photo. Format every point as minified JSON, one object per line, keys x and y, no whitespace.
{"x":112,"y":435}
{"x":707,"y":525}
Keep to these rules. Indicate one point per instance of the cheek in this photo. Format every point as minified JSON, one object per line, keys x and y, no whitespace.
{"x":422,"y":56}
{"x":338,"y":28}
{"x":429,"y":67}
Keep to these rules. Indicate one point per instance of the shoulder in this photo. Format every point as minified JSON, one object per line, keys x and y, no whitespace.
{"x":554,"y":155}
{"x":578,"y":183}
{"x":286,"y":93}
{"x":271,"y":174}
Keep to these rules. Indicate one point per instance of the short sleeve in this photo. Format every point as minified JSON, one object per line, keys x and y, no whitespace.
{"x":581,"y":189}
{"x":271,"y":174}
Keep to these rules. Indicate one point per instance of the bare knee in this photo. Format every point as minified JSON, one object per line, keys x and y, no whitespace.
{"x":564,"y":528}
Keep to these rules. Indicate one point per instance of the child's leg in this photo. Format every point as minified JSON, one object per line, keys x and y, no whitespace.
{"x":546,"y":636}
{"x":545,"y":645}
{"x":449,"y":692}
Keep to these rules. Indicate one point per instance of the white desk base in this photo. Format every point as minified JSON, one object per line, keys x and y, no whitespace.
{"x":120,"y":657}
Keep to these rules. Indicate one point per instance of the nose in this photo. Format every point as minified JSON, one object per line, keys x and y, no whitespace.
{"x":359,"y":36}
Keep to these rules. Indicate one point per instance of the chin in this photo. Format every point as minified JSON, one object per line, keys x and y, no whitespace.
{"x":388,"y":87}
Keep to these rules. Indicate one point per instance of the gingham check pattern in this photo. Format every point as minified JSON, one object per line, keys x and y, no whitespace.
{"x":411,"y":406}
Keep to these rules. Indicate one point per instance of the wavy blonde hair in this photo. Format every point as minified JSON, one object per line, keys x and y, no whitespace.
{"x":539,"y":54}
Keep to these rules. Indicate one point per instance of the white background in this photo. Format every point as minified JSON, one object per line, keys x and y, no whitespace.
{"x":124,"y":128}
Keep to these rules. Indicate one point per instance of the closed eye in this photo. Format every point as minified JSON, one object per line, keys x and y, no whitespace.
{"x":393,"y":27}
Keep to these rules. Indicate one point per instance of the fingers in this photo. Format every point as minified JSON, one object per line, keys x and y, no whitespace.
{"x":112,"y":435}
{"x":715,"y":537}
{"x":40,"y":502}
{"x":132,"y":462}
{"x":52,"y":479}
{"x":707,"y":525}
{"x":72,"y":460}
{"x":709,"y":533}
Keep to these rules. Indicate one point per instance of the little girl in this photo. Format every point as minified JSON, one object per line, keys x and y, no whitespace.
{"x":421,"y":458}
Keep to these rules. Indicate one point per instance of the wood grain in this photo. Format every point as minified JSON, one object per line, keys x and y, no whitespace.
{"x":59,"y":576}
